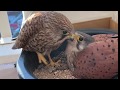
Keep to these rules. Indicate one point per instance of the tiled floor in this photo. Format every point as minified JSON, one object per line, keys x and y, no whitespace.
{"x":8,"y":71}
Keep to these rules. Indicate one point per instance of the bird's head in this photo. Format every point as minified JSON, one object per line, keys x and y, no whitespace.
{"x":82,"y":41}
{"x":75,"y":46}
{"x":60,"y":25}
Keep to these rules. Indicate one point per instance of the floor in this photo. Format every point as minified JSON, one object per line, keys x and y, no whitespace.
{"x":8,"y":71}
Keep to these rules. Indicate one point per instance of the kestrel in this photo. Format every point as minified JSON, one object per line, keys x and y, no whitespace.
{"x":44,"y":32}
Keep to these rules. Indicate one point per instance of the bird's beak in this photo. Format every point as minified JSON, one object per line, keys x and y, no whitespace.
{"x":74,"y":36}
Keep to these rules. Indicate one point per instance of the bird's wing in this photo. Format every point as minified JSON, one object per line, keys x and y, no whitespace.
{"x":29,"y":29}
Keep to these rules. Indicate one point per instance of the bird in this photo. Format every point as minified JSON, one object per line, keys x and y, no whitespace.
{"x":43,"y":32}
{"x":95,"y":57}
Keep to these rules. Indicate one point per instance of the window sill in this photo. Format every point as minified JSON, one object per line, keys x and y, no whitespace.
{"x":7,"y":54}
{"x":7,"y":40}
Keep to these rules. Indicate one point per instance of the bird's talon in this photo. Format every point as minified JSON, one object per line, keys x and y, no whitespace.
{"x":54,"y":64}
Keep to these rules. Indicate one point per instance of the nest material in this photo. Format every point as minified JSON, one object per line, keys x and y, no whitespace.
{"x":59,"y":72}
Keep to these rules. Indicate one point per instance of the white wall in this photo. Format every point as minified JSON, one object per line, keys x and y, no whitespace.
{"x":115,"y":16}
{"x":80,"y":16}
{"x":4,"y":24}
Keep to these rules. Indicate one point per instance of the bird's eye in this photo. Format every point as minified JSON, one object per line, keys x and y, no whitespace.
{"x":80,"y":38}
{"x":65,"y":32}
